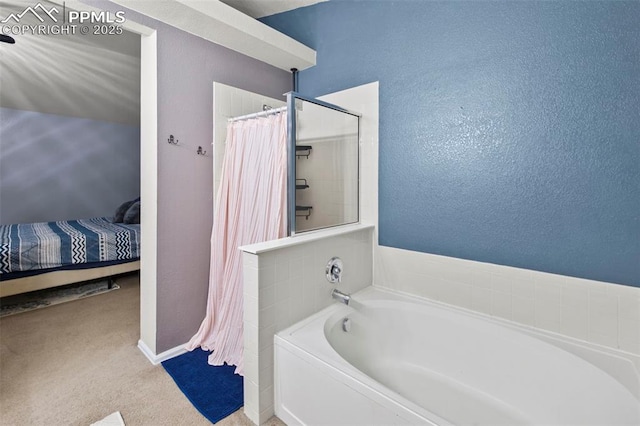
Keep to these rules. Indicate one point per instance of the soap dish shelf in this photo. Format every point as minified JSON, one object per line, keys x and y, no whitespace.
{"x":303,"y":151}
{"x":305,"y":211}
{"x":302,"y":184}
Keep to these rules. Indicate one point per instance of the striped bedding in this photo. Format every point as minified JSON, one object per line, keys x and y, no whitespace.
{"x":45,"y":245}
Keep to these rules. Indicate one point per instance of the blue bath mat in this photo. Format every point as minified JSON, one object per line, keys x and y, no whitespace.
{"x":214,"y":390}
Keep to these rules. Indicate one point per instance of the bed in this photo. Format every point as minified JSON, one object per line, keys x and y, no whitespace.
{"x":35,"y":256}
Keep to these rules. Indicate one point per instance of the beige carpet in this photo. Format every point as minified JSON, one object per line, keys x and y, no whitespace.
{"x":75,"y":363}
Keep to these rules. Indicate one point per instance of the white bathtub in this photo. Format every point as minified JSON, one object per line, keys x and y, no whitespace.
{"x":410,"y":361}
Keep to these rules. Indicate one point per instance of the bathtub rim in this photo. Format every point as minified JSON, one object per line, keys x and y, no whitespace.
{"x":592,"y":353}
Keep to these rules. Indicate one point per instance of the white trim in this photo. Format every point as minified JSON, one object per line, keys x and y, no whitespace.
{"x":157,"y":359}
{"x":149,"y":187}
{"x":221,"y":24}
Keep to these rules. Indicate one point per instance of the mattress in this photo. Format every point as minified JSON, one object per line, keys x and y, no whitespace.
{"x":69,"y":243}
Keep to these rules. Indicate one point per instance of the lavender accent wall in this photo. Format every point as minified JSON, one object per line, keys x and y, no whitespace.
{"x":54,"y":167}
{"x":187,"y":68}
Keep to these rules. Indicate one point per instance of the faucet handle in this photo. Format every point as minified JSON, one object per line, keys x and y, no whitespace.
{"x":334,"y":270}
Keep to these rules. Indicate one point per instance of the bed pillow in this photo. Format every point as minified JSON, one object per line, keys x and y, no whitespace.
{"x":120,"y":211}
{"x":133,"y":213}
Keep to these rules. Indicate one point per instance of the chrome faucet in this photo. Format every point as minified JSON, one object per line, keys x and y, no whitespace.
{"x":334,"y":270}
{"x":340,"y":296}
{"x":334,"y":275}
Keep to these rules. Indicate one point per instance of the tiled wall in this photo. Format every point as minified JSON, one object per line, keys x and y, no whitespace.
{"x":331,"y":172}
{"x":597,"y":312}
{"x":283,"y":286}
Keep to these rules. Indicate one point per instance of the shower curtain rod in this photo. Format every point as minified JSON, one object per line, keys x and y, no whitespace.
{"x":258,"y":114}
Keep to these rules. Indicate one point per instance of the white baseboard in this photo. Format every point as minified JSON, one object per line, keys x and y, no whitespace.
{"x":157,"y":359}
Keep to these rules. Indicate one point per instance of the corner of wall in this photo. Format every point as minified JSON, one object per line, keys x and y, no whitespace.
{"x":149,"y":189}
{"x":285,"y":285}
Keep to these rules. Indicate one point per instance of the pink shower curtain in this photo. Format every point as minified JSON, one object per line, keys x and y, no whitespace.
{"x":251,"y":207}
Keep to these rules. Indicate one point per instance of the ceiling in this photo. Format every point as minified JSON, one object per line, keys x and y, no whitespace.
{"x":94,"y":77}
{"x":86,"y":76}
{"x":260,"y":8}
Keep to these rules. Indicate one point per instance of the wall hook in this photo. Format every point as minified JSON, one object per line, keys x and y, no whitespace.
{"x":200,"y":151}
{"x":173,"y":141}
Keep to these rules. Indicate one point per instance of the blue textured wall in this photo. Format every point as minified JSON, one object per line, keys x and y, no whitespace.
{"x":509,"y":131}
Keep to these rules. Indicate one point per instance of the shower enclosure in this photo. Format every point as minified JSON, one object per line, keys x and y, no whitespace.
{"x":323,"y":164}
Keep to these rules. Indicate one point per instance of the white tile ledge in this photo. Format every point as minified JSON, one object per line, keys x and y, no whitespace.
{"x":304,"y":238}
